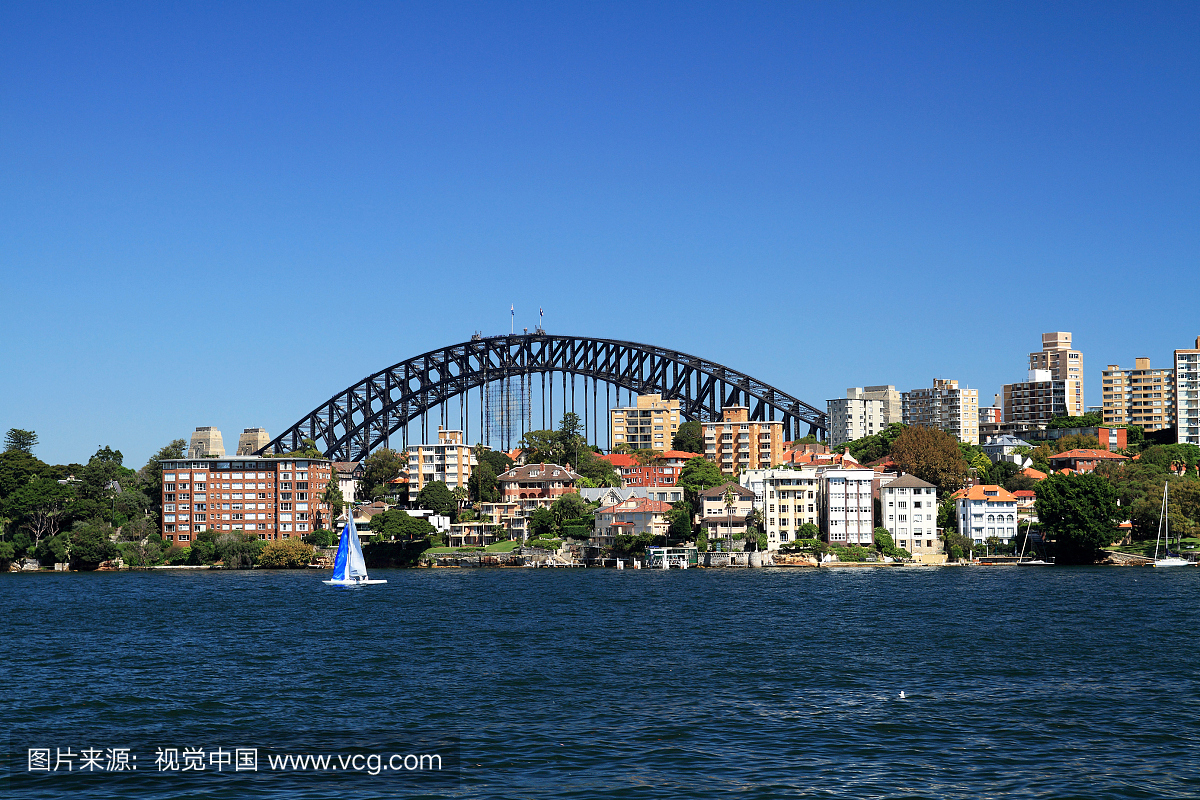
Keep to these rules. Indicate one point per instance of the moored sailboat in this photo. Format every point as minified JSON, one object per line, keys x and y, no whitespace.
{"x":1164,"y":533}
{"x":349,"y":566}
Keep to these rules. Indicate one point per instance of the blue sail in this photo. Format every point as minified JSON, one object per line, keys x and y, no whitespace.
{"x":349,"y":563}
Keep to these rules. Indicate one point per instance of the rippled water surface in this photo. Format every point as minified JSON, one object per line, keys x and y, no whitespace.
{"x":596,"y":683}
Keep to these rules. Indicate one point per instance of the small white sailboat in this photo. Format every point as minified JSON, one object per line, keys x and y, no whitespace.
{"x":349,"y":567}
{"x":1164,"y":533}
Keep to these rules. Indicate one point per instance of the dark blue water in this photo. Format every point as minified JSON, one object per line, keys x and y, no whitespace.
{"x":592,"y":683}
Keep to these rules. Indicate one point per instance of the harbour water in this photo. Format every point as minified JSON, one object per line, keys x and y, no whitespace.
{"x":597,"y":683}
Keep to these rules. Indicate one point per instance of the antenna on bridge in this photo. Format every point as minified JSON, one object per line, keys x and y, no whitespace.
{"x":539,"y":329}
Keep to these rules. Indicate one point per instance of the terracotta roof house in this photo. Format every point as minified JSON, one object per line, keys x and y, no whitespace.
{"x":1083,"y":460}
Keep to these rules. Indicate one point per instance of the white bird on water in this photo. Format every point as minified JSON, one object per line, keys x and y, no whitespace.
{"x":902,"y":695}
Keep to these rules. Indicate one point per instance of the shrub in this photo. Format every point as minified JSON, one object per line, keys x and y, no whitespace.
{"x":286,"y":554}
{"x":177,"y":555}
{"x":320,"y":538}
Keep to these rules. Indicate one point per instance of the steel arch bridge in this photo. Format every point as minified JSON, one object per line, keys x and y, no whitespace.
{"x":361,"y":418}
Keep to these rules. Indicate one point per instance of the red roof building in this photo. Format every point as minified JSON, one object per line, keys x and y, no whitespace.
{"x":662,"y":471}
{"x":1082,"y":460}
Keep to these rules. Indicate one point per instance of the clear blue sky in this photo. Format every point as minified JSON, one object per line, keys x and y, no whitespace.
{"x":221,"y":214}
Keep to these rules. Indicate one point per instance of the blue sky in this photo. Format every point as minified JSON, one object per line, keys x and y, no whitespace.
{"x":221,"y":214}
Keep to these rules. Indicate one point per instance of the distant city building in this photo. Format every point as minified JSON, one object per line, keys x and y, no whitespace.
{"x":1141,"y":396}
{"x":1187,"y":395}
{"x":846,"y":505}
{"x":649,"y":425}
{"x":448,"y":460}
{"x":206,"y":442}
{"x":720,"y":521}
{"x":1034,"y":402}
{"x":786,"y":498}
{"x":735,"y":443}
{"x":662,"y":471}
{"x":275,"y":498}
{"x":946,"y":407}
{"x":1065,"y":365}
{"x":892,"y":400}
{"x":909,"y":507}
{"x":252,"y":440}
{"x":853,"y":417}
{"x":985,"y":511}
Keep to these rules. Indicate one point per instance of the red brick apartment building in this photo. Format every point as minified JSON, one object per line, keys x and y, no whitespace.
{"x":276,"y":498}
{"x":664,"y":471}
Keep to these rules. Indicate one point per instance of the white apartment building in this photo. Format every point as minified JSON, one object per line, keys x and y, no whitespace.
{"x":1187,"y":395}
{"x":946,"y":407}
{"x":909,"y":507}
{"x":853,"y":417}
{"x":985,"y":511}
{"x":845,"y":505}
{"x":893,"y":402}
{"x":448,"y":460}
{"x":723,"y":522}
{"x":786,"y":498}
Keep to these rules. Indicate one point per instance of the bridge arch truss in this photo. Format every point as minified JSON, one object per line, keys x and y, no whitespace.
{"x":361,"y":418}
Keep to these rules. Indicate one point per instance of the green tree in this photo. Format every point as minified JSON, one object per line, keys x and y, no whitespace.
{"x":1019,"y":482}
{"x":395,"y":524}
{"x":39,"y":507}
{"x":947,"y":517}
{"x":876,"y":446}
{"x":20,"y":441}
{"x":689,"y":438}
{"x":288,"y":554}
{"x":567,"y":506}
{"x":482,"y":486}
{"x":320,"y":538}
{"x":542,"y":447}
{"x":436,"y":497}
{"x":931,"y":455}
{"x":1080,"y":512}
{"x":379,"y":470}
{"x":333,"y":497}
{"x":680,"y":519}
{"x":597,"y":471}
{"x":18,"y":468}
{"x":498,"y":461}
{"x":1086,"y":421}
{"x":697,"y":475}
{"x":90,"y":544}
{"x":308,"y":449}
{"x":150,"y":476}
{"x":541,"y":523}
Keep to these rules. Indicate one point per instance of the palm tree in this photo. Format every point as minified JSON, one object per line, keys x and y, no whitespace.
{"x":460,"y":494}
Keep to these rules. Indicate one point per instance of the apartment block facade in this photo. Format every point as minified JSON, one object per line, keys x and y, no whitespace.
{"x":276,"y":498}
{"x":786,"y":498}
{"x":985,"y":511}
{"x":1187,"y":395}
{"x":663,"y":471}
{"x":736,"y":444}
{"x":853,"y":417}
{"x":1034,"y":402}
{"x":449,"y":460}
{"x":893,"y":402}
{"x":651,"y":424}
{"x":1064,"y":364}
{"x":1142,"y":396}
{"x":846,"y":506}
{"x":721,"y":520}
{"x":946,"y":407}
{"x":909,"y":508}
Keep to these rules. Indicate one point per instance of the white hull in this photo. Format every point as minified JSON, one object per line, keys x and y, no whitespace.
{"x":350,"y":582}
{"x":1171,"y":562}
{"x":1036,"y":563}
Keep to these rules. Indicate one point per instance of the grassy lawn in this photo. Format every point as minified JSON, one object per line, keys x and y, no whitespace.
{"x":1147,"y":548}
{"x":498,"y":547}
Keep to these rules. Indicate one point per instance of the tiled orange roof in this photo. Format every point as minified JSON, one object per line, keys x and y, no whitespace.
{"x":1024,"y":493}
{"x":681,"y":454}
{"x":620,"y":459}
{"x":641,"y":504}
{"x":1037,"y":475}
{"x":1001,"y":495}
{"x":1086,"y":453}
